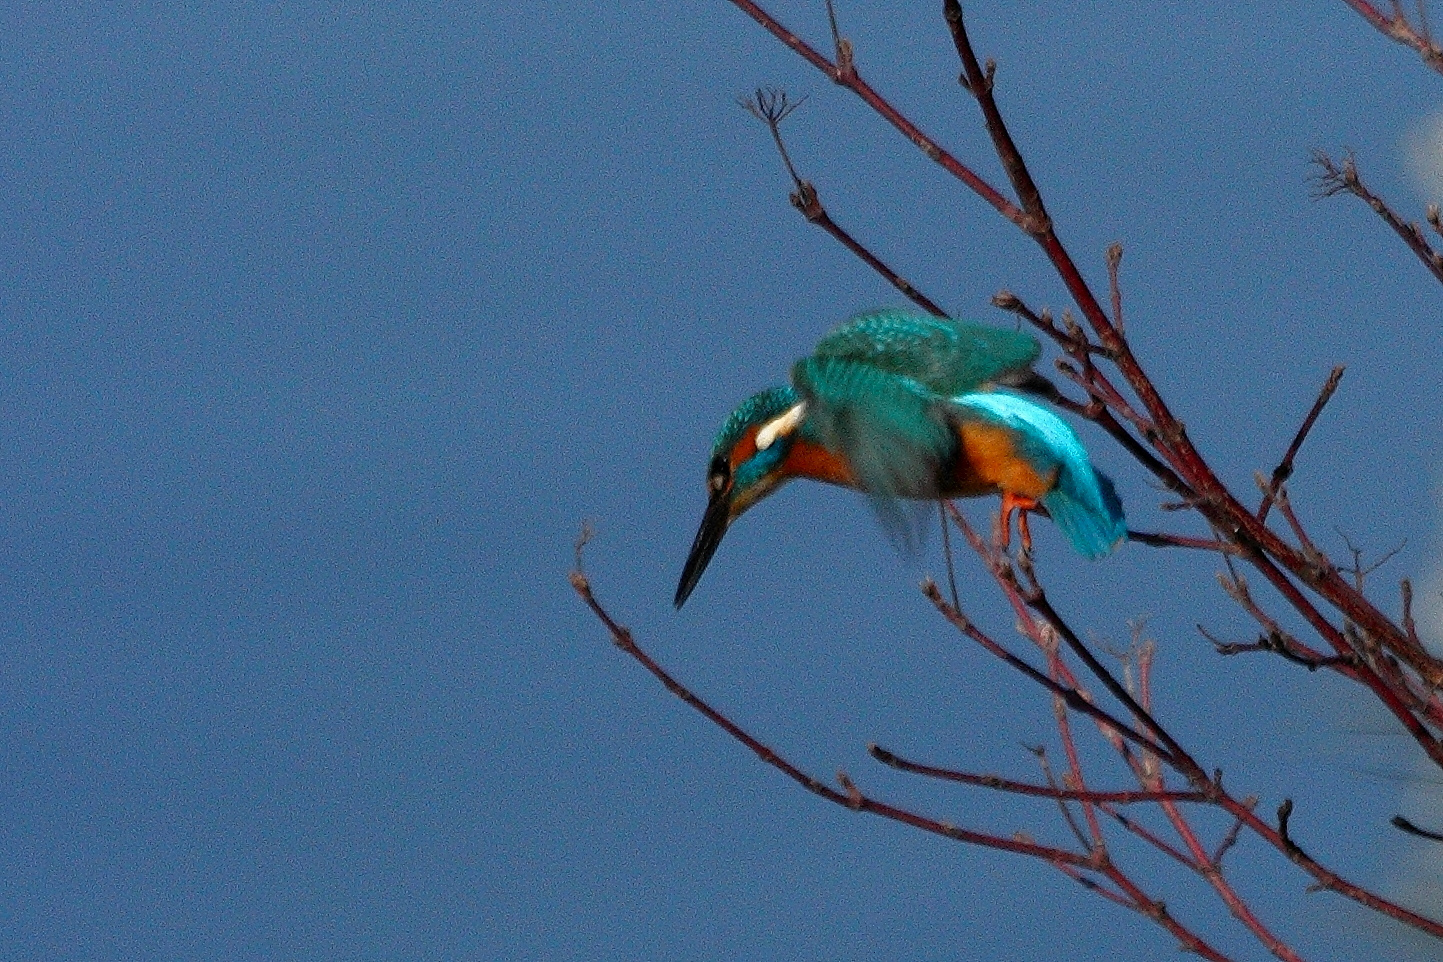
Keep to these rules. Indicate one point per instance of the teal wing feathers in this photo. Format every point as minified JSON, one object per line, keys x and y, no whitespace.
{"x":891,"y":432}
{"x":944,"y":356}
{"x":1084,"y":504}
{"x":883,"y":390}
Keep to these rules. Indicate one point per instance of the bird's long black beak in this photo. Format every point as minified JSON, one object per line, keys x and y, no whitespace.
{"x":713,"y":526}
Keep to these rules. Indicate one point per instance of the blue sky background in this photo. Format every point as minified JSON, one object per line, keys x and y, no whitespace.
{"x":323,"y":328}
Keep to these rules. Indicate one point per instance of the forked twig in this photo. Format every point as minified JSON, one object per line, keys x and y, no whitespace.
{"x":1342,"y":178}
{"x":771,"y":106}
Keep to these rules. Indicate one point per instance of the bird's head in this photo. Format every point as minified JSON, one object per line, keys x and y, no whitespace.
{"x":746,"y":466}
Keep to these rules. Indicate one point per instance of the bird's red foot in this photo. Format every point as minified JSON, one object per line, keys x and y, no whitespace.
{"x":1020,"y":504}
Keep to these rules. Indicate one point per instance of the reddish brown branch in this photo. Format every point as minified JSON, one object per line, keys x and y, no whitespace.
{"x":1183,"y":763}
{"x":805,"y":200}
{"x":978,"y":81}
{"x":1396,"y":27}
{"x":852,"y":798}
{"x":1409,"y":625}
{"x":849,"y":797}
{"x":1174,"y":754}
{"x":1229,"y":840}
{"x":1275,"y":637}
{"x":772,"y":106}
{"x":1152,"y":838}
{"x":1287,"y":569}
{"x":1359,"y":669}
{"x":1226,"y":893}
{"x":1058,"y":670}
{"x":1013,"y":786}
{"x":1213,"y":499}
{"x":846,"y":75}
{"x":1343,"y":178}
{"x":1165,"y":540}
{"x":1211,"y":496}
{"x":1157,"y":911}
{"x":1318,"y":560}
{"x":1074,"y":698}
{"x":1114,"y":284}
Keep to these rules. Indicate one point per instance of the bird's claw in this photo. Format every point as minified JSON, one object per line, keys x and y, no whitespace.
{"x":1019,"y":505}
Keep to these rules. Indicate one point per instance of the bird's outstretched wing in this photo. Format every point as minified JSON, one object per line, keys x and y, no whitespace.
{"x":890,"y":430}
{"x":944,"y":356}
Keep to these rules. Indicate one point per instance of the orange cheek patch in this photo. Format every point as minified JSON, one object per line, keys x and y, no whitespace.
{"x":744,"y":449}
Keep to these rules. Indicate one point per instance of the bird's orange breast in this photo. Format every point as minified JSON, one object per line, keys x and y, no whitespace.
{"x":988,"y":460}
{"x":808,"y":460}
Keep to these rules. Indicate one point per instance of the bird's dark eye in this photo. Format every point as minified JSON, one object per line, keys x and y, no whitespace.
{"x":718,"y":475}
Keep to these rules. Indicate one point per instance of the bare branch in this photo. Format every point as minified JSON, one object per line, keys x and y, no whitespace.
{"x":1284,"y":470}
{"x":850,"y":797}
{"x":1158,"y":539}
{"x":1396,"y":27}
{"x":846,"y":75}
{"x":1114,"y":265}
{"x":1399,"y":822}
{"x":1074,"y":698}
{"x":998,"y":783}
{"x":771,"y":106}
{"x":1343,"y":178}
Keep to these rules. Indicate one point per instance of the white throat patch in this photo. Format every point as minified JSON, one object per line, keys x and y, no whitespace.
{"x":790,"y":420}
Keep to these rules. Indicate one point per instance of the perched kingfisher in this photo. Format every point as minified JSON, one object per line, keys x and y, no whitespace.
{"x":897,"y":405}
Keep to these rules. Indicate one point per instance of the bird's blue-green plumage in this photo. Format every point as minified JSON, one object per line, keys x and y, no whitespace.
{"x":757,"y":409}
{"x":886,"y":394}
{"x":875,"y":384}
{"x":886,"y":390}
{"x":945,"y":356}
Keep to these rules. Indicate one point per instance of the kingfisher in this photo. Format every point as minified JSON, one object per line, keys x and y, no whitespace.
{"x":903,"y":405}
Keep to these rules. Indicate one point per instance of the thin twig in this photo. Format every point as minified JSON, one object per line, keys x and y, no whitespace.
{"x":1343,"y":178}
{"x":849,"y":78}
{"x":1064,"y":809}
{"x":1275,"y":637}
{"x":1075,"y":700}
{"x":1318,"y":560}
{"x":947,"y":553}
{"x":771,"y":106}
{"x":1242,"y":810}
{"x":1114,"y":265}
{"x":1126,"y":797}
{"x":1399,"y":822}
{"x":1159,"y":539}
{"x":1228,"y":841}
{"x":1152,"y":838}
{"x":1360,"y":571}
{"x":1409,"y":625}
{"x":1284,"y":470}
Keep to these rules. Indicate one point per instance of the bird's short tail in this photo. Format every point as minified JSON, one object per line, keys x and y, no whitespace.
{"x":1088,"y":511}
